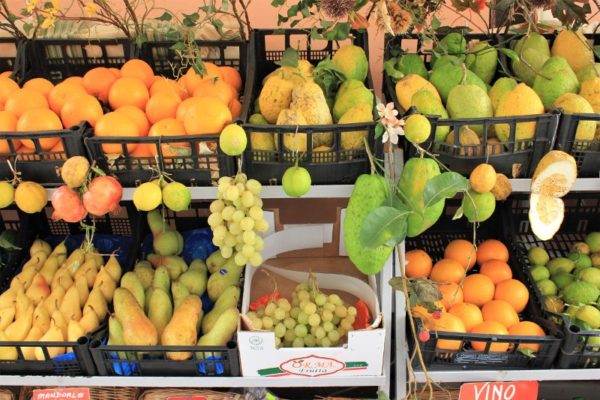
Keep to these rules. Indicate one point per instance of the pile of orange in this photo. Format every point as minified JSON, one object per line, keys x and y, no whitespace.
{"x":487,"y":302}
{"x":141,"y":104}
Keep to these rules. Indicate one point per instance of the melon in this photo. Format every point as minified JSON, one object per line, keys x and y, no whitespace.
{"x":555,"y":174}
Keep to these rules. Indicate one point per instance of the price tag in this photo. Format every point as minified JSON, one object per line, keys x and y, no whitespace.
{"x":187,"y":398}
{"x":522,"y":390}
{"x":61,"y":394}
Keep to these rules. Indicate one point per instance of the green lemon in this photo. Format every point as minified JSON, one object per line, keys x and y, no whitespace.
{"x":147,"y":196}
{"x":176,"y":196}
{"x":538,"y":256}
{"x":417,"y":128}
{"x":296,"y":181}
{"x":478,"y":207}
{"x":7,"y":194}
{"x":233,"y":140}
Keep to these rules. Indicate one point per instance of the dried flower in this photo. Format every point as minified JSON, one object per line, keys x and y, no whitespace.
{"x":337,"y":9}
{"x":393,"y":18}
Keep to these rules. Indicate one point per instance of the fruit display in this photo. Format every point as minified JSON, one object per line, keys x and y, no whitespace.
{"x":56,"y":297}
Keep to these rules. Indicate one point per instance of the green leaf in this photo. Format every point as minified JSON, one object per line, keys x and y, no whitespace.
{"x":526,"y":352}
{"x":218,"y":24}
{"x":7,"y":245}
{"x":571,"y":11}
{"x":179,"y":46}
{"x":277,"y":3}
{"x":190,"y":20}
{"x":458,"y":214}
{"x":342,"y":30}
{"x":513,"y":55}
{"x":295,"y":22}
{"x":293,"y":10}
{"x":379,"y":129}
{"x":325,"y":24}
{"x":396,"y":283}
{"x":384,"y":226}
{"x":289,"y":58}
{"x":199,"y":67}
{"x":435,"y":22}
{"x":12,"y":17}
{"x":165,"y":17}
{"x":27,"y":27}
{"x":305,"y":12}
{"x":444,"y":186}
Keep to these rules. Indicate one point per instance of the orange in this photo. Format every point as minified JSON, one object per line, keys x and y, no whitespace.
{"x":81,"y":107}
{"x":499,"y":311}
{"x":527,"y":328}
{"x":188,"y":104}
{"x":232,"y":76}
{"x":138,"y":116}
{"x":216,"y":88}
{"x":419,"y":311}
{"x":61,"y":93}
{"x":496,"y":270}
{"x":468,"y":313}
{"x":209,"y":116}
{"x":162,"y":105}
{"x":236,"y":108}
{"x":23,"y":100}
{"x":115,"y":71}
{"x":141,"y":150}
{"x":162,"y":84}
{"x":39,"y":119}
{"x":128,"y":92}
{"x":451,"y":294}
{"x":7,"y":87}
{"x":447,"y":271}
{"x":490,"y":328}
{"x":40,"y":85}
{"x":8,"y":123}
{"x":97,"y":82}
{"x":462,"y":251}
{"x":190,"y":80}
{"x":491,"y":250}
{"x":74,"y":79}
{"x":514,"y":292}
{"x":6,"y":74}
{"x":211,"y":71}
{"x":58,"y":148}
{"x":138,"y":69}
{"x":418,"y":264}
{"x":448,"y":323}
{"x":478,"y":289}
{"x":116,"y":124}
{"x":169,"y":127}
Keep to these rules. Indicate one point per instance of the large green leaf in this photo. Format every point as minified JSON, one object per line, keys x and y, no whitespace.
{"x":444,"y":186}
{"x":384,"y":226}
{"x":289,"y":58}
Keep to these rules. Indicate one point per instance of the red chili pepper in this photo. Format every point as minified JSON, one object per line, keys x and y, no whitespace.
{"x":264,"y":300}
{"x":363,"y":316}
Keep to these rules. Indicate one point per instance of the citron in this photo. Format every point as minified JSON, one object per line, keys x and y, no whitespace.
{"x":573,"y":47}
{"x":546,"y":214}
{"x":352,"y":61}
{"x":478,"y":207}
{"x":522,"y":100}
{"x":147,"y":196}
{"x":590,"y":90}
{"x":7,"y":194}
{"x":233,"y":140}
{"x":31,"y":197}
{"x":74,"y":171}
{"x":411,"y":84}
{"x":176,"y":196}
{"x":417,"y":128}
{"x":296,"y":181}
{"x":483,"y":178}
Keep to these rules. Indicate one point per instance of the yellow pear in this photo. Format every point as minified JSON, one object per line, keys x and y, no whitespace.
{"x":74,"y":261}
{"x":17,"y":284}
{"x":59,"y":320}
{"x":113,"y":268}
{"x":182,"y":329}
{"x":41,"y":317}
{"x":49,"y":269}
{"x":89,"y":271}
{"x":69,"y":307}
{"x":34,"y":335}
{"x":7,"y":316}
{"x":36,"y":261}
{"x":62,"y":278}
{"x":59,"y":251}
{"x":26,"y":276}
{"x":53,"y":301}
{"x":39,"y":289}
{"x":82,"y":288}
{"x":18,"y":330}
{"x":138,"y":330}
{"x":54,"y":334}
{"x":7,"y":353}
{"x":89,"y":322}
{"x":92,"y":254}
{"x":22,"y":304}
{"x":105,"y":283}
{"x":74,"y":331}
{"x":8,"y":298}
{"x":97,"y":303}
{"x":39,"y":245}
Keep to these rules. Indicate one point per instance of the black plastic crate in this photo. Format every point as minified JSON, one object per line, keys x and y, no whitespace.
{"x":124,"y":223}
{"x":11,"y":219}
{"x":14,"y":56}
{"x":216,"y":361}
{"x":58,"y":59}
{"x":204,"y":164}
{"x":434,"y":241}
{"x":518,"y":158}
{"x":328,"y":167}
{"x":585,"y":152}
{"x":166,"y":61}
{"x":582,"y":215}
{"x":41,"y":165}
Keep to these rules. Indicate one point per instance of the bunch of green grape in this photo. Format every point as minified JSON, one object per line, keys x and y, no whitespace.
{"x":236,"y":217}
{"x":313,"y":319}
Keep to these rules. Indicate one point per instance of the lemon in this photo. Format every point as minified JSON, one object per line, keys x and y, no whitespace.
{"x":296,"y":181}
{"x":233,"y":140}
{"x":7,"y":194}
{"x":417,"y":128}
{"x":31,"y":197}
{"x":176,"y":196}
{"x":147,"y":196}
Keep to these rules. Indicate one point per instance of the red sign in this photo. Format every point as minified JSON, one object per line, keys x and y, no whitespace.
{"x":61,"y":394}
{"x":523,"y":390}
{"x":187,"y":398}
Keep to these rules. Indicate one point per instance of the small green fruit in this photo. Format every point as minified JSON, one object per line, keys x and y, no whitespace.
{"x":296,"y":181}
{"x":539,"y":273}
{"x":547,"y":287}
{"x":176,"y":196}
{"x":478,"y":207}
{"x":417,"y":128}
{"x":233,"y":140}
{"x":538,"y":256}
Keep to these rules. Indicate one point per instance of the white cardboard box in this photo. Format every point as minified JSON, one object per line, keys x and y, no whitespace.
{"x":363,"y":353}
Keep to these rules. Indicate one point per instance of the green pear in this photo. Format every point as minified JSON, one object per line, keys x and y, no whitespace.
{"x":198,"y":265}
{"x":155,"y":221}
{"x":115,"y":335}
{"x":194,"y":281}
{"x":223,"y":329}
{"x":162,"y":279}
{"x":215,"y":261}
{"x":147,"y":296}
{"x":175,"y":265}
{"x":229,"y":298}
{"x":229,"y":275}
{"x":179,"y":292}
{"x":138,"y":330}
{"x":131,"y":282}
{"x":145,"y":273}
{"x":160,"y":310}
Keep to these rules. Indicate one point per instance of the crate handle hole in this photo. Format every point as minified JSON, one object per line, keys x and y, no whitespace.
{"x":574,"y":329}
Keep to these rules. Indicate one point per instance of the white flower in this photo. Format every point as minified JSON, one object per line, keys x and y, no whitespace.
{"x":392,"y":133}
{"x":387,"y":113}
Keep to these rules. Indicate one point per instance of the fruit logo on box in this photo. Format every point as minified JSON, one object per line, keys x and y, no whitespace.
{"x":66,"y":393}
{"x":312,"y":366}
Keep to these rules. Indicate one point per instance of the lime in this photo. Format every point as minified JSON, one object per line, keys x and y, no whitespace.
{"x":417,"y":128}
{"x":176,"y":196}
{"x":233,"y":140}
{"x":538,"y":256}
{"x":547,"y":287}
{"x":539,"y":273}
{"x":593,"y":240}
{"x":562,"y":279}
{"x":147,"y":196}
{"x":7,"y":194}
{"x":581,"y":260}
{"x":478,"y":207}
{"x":296,"y":181}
